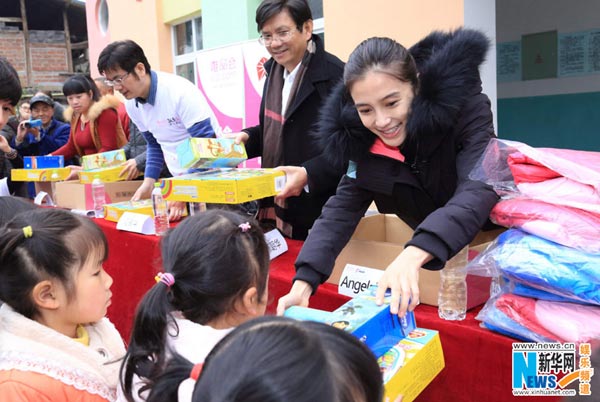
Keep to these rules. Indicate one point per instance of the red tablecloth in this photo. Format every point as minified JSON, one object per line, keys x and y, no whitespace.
{"x":478,"y":362}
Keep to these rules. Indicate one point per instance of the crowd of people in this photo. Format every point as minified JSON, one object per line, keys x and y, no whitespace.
{"x":395,"y":126}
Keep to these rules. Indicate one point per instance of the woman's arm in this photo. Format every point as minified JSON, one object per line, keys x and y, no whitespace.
{"x":106,"y":125}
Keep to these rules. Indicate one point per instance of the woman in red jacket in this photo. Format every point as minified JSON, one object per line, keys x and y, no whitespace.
{"x":95,"y":125}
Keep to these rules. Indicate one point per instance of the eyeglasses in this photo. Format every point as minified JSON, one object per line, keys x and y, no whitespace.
{"x":281,"y":36}
{"x":116,"y":81}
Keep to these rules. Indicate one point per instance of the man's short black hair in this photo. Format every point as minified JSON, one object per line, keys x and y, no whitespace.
{"x":10,"y":85}
{"x":298,"y":9}
{"x":124,"y":54}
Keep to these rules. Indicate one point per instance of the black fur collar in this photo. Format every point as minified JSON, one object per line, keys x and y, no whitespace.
{"x":448,"y":66}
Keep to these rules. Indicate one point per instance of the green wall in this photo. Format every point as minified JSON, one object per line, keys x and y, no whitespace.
{"x":557,"y":121}
{"x":228,"y":21}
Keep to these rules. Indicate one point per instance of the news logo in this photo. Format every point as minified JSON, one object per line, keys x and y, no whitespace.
{"x":540,"y":369}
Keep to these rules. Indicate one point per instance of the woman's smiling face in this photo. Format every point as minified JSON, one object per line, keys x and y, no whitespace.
{"x":383,"y":104}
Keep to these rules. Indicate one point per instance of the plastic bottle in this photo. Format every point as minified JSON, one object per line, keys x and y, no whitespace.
{"x":452,"y":297}
{"x":98,"y":196}
{"x":161,"y":212}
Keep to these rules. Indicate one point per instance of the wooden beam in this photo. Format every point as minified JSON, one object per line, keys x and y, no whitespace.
{"x":26,"y":38}
{"x":79,"y":45}
{"x":68,"y":40}
{"x":10,"y":19}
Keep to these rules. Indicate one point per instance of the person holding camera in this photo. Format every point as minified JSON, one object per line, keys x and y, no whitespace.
{"x":41,"y":134}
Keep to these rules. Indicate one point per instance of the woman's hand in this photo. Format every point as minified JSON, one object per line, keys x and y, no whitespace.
{"x":298,"y":296}
{"x":143,"y":192}
{"x":74,"y":174}
{"x":295,"y":180}
{"x":130,"y":170}
{"x":402,"y":277}
{"x":176,"y":209}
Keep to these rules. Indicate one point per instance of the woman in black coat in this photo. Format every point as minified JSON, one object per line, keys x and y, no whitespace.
{"x":412,"y":124}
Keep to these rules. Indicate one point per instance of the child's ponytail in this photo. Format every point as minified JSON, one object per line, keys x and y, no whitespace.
{"x":146,"y":353}
{"x":167,"y":386}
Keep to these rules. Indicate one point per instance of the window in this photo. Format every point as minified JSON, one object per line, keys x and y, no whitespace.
{"x":316,"y":6}
{"x":102,"y":16}
{"x":187,"y":40}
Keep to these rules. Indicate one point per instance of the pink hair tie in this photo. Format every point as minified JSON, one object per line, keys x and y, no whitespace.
{"x":166,"y":278}
{"x":244,"y":226}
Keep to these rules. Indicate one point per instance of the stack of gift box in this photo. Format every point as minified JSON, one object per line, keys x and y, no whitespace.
{"x":409,"y":357}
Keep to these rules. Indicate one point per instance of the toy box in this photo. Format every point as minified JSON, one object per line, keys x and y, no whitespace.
{"x":43,"y":162}
{"x":103,"y":159}
{"x":379,"y":239}
{"x":106,"y":175}
{"x":50,"y":174}
{"x":201,"y":153}
{"x":411,"y":364}
{"x":409,"y":357}
{"x":372,"y":324}
{"x":224,"y":186}
{"x":75,"y":195}
{"x":113,"y":212}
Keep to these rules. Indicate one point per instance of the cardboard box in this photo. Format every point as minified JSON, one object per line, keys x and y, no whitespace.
{"x":411,"y":365}
{"x":224,"y":186}
{"x":106,"y":175}
{"x":103,"y":159}
{"x":203,"y":153}
{"x":379,"y":239}
{"x":53,"y":174}
{"x":75,"y":195}
{"x":43,"y":162}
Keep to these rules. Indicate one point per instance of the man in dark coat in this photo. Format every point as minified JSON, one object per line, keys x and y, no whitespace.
{"x":300,"y":76}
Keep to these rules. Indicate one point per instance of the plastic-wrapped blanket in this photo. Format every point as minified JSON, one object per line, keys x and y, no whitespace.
{"x":541,"y":264}
{"x":568,"y":226}
{"x":561,"y":322}
{"x":558,"y":176}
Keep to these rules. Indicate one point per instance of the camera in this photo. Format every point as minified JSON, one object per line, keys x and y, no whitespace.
{"x":33,"y":123}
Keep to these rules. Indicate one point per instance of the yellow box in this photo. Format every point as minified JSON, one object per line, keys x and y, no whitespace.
{"x":411,"y":365}
{"x":224,"y":186}
{"x":113,"y":212}
{"x":210,"y":153}
{"x":103,"y":159}
{"x":106,"y":175}
{"x":49,"y":174}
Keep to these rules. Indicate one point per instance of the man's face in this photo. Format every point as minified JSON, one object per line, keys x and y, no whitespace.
{"x":134,"y":84}
{"x":42,"y":111}
{"x":284,"y":42}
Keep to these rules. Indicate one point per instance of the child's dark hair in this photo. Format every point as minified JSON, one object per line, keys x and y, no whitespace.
{"x":42,"y":244}
{"x":278,"y":359}
{"x":10,"y":206}
{"x":214,"y":262}
{"x":10,"y":85}
{"x":79,"y":84}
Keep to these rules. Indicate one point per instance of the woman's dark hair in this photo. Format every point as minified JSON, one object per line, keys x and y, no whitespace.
{"x":58,"y":245}
{"x":298,"y":9}
{"x":10,"y":85}
{"x":278,"y":359}
{"x":79,"y":84}
{"x":214,"y":262}
{"x":11,"y":206}
{"x":382,"y":55}
{"x":124,"y":54}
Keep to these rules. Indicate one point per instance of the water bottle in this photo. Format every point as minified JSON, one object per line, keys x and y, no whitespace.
{"x":98,"y":196}
{"x":452,"y":297}
{"x":161,"y":212}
